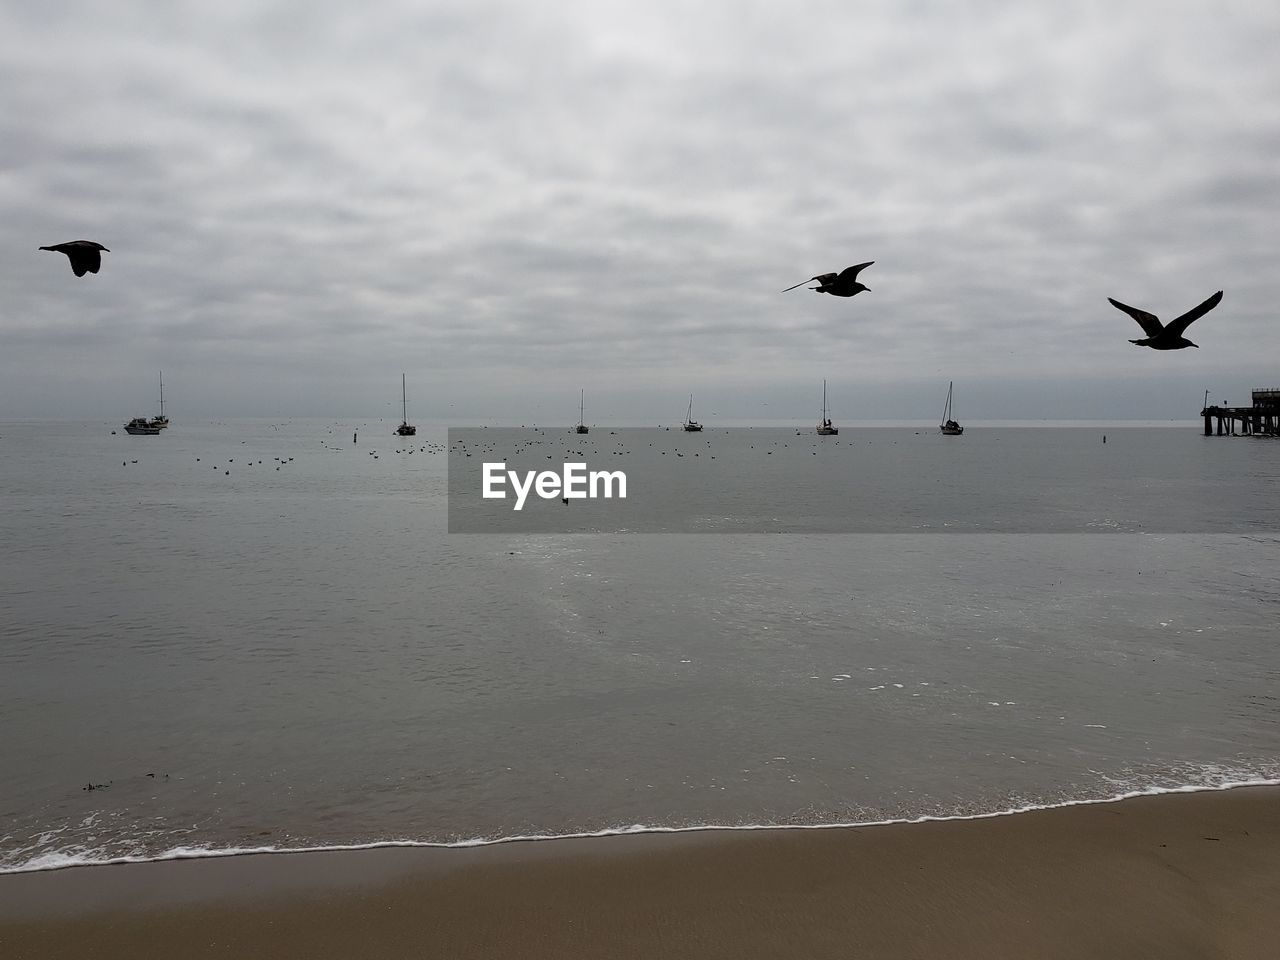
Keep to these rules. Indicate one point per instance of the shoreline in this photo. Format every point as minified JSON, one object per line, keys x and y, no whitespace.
{"x":1193,"y":874}
{"x":202,"y":853}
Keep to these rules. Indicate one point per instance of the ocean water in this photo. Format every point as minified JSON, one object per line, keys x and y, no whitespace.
{"x":260,"y":635}
{"x":789,"y":480}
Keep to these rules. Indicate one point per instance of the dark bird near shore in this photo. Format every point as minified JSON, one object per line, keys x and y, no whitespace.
{"x":1167,"y":336}
{"x":85,"y":255}
{"x":842,"y":284}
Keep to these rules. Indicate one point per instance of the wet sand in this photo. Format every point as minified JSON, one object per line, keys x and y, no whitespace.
{"x":1187,"y":875}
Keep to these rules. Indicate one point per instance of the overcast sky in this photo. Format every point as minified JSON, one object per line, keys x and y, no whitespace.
{"x":512,"y":201}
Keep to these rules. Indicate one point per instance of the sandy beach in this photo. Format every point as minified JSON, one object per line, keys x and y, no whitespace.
{"x":1183,"y":875}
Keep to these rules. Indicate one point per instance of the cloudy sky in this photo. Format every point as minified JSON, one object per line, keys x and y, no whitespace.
{"x":512,"y":201}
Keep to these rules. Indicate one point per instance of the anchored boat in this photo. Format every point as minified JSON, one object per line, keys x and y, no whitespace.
{"x":691,"y":425}
{"x":141,"y":427}
{"x":160,"y":421}
{"x":948,"y":426}
{"x":825,"y":427}
{"x":406,"y":429}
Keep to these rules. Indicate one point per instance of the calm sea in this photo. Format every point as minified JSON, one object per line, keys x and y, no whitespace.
{"x":254,"y":634}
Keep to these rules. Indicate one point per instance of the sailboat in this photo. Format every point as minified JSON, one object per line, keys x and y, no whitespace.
{"x":161,"y":421}
{"x":691,"y":425}
{"x":582,"y":425}
{"x":406,"y":429}
{"x":825,"y":428}
{"x":948,"y":426}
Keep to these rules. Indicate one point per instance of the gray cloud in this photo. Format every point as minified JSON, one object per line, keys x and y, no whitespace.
{"x":507,"y":202}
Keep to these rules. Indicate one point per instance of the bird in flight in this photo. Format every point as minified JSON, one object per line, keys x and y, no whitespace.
{"x":85,"y":255}
{"x":842,"y":284}
{"x":1167,"y":336}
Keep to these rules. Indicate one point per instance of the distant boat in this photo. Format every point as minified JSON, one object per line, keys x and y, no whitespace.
{"x":161,"y":421}
{"x":582,"y":425}
{"x":825,"y":427}
{"x":141,"y":427}
{"x":948,"y":426}
{"x":406,"y":429}
{"x":691,"y":425}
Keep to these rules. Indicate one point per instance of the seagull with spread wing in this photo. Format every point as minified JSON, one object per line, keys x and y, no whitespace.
{"x":1167,"y":336}
{"x":85,"y":255}
{"x":842,"y":284}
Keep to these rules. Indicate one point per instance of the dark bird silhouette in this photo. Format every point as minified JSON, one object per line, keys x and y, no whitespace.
{"x":842,"y":284}
{"x":1167,"y":336}
{"x":85,"y":255}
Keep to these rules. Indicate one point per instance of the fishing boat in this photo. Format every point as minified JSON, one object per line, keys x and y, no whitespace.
{"x":161,"y":421}
{"x":141,"y":427}
{"x":691,"y":425}
{"x":948,"y":426}
{"x":406,"y":429}
{"x":825,"y":427}
{"x":582,"y":424}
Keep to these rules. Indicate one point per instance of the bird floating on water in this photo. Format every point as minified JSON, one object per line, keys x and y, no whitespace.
{"x":842,"y":284}
{"x":1167,"y":336}
{"x":85,"y":255}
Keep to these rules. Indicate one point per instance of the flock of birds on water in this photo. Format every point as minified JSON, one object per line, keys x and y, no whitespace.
{"x":86,"y":257}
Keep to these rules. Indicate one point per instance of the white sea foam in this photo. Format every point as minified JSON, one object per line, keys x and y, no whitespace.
{"x":80,"y":858}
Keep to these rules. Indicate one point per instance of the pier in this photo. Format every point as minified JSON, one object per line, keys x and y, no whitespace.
{"x":1262,"y":419}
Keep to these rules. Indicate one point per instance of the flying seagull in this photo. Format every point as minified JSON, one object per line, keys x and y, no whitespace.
{"x":842,"y":284}
{"x":83,"y":254}
{"x":1167,"y":336}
